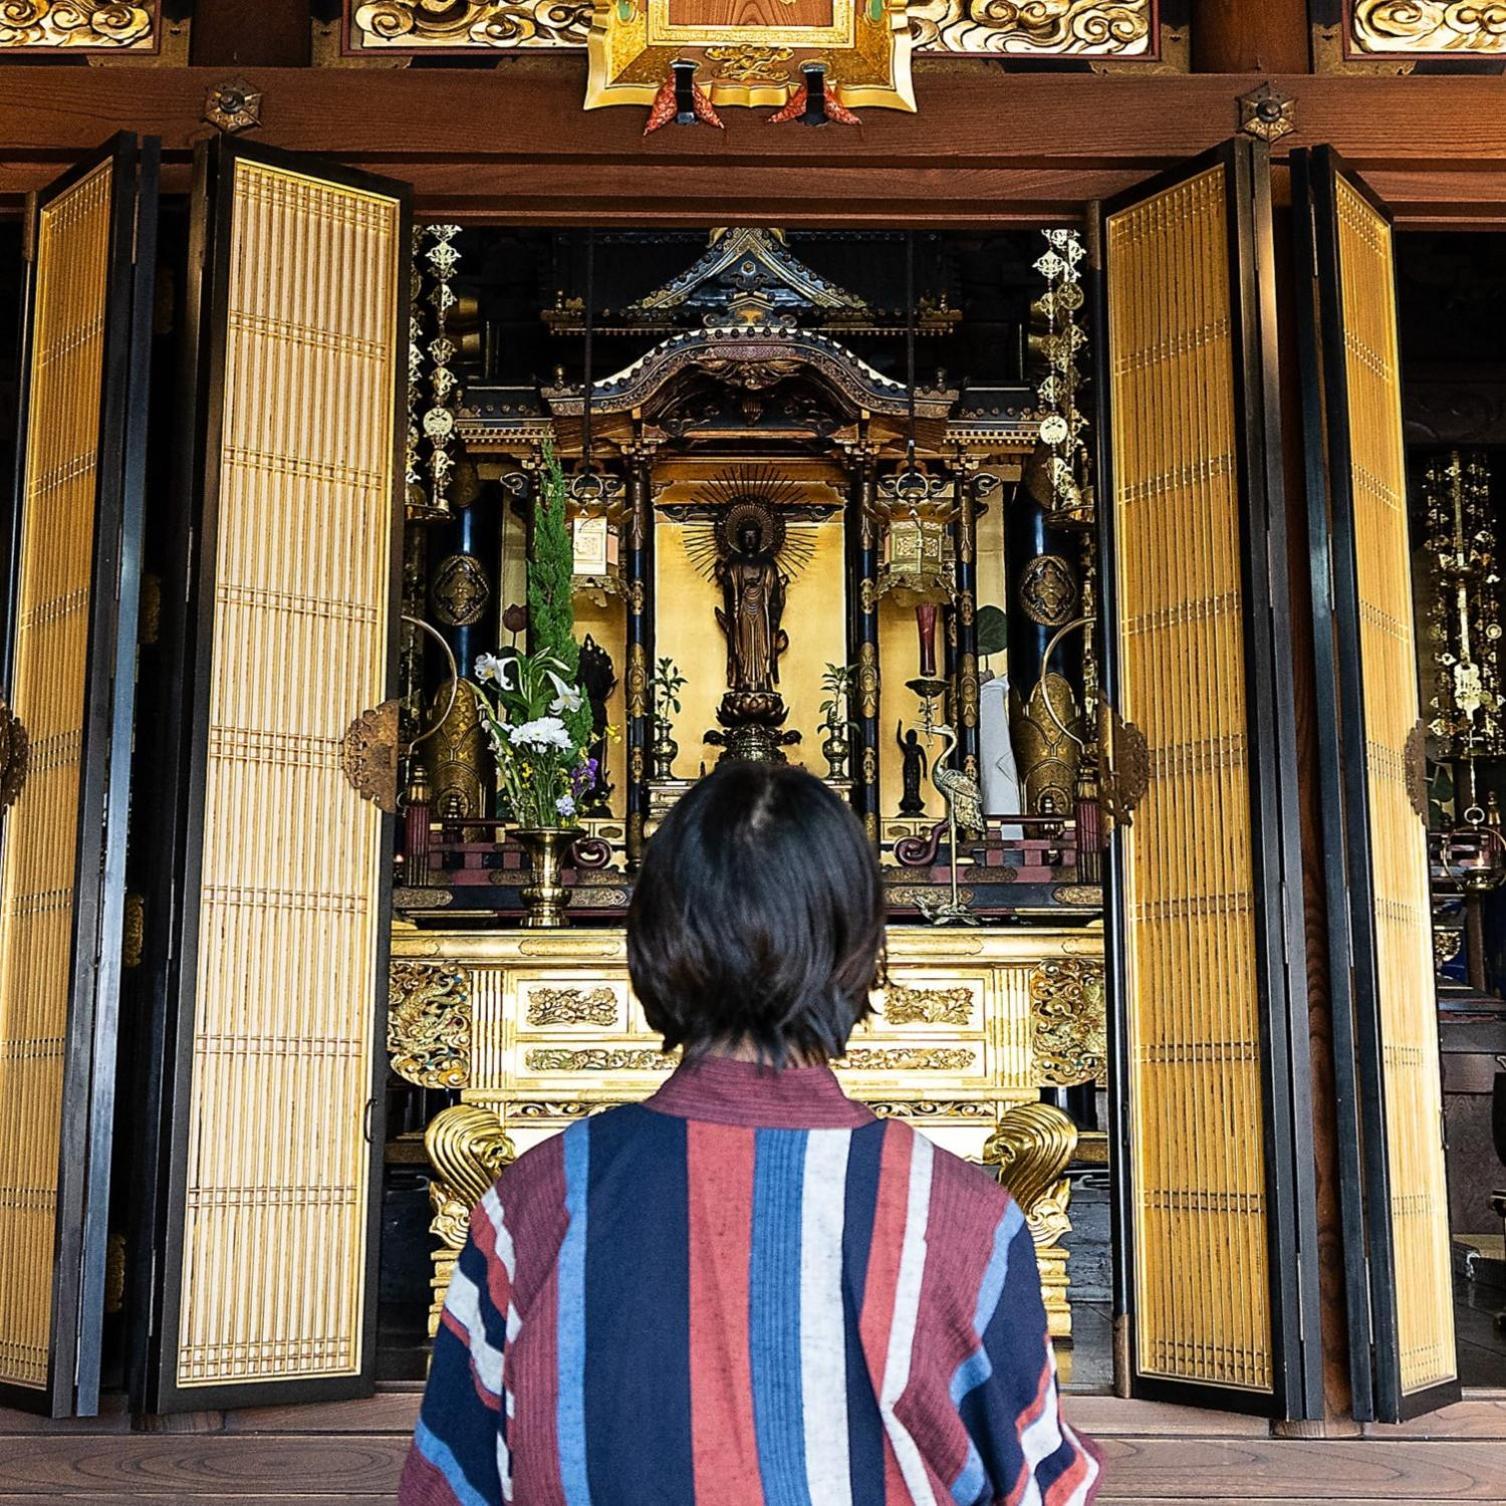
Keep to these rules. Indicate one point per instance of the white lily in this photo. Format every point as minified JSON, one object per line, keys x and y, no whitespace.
{"x":489,"y":667}
{"x":567,"y":697}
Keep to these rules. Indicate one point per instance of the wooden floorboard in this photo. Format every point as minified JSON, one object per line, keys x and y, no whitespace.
{"x":350,"y":1454}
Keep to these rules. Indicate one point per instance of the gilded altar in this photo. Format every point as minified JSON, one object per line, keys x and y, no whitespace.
{"x":536,"y":1028}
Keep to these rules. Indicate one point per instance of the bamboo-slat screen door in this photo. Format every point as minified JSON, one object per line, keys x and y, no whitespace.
{"x":1380,"y":913}
{"x":275,"y":1148}
{"x":71,"y":625}
{"x":1204,"y":997}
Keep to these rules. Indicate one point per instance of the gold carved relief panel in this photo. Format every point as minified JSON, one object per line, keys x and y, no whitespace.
{"x":41,"y":26}
{"x":751,"y":55}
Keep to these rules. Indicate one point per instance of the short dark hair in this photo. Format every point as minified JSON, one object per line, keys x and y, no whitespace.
{"x":757,"y":917}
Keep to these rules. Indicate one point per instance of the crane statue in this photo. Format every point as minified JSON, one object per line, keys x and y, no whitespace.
{"x":964,"y":809}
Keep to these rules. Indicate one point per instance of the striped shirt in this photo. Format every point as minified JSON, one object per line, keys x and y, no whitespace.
{"x":747,"y":1291}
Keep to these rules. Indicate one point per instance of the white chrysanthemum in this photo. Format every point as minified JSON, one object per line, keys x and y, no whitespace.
{"x":544,"y":733}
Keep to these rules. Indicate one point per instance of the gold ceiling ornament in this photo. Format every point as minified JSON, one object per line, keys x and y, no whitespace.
{"x":754,"y":56}
{"x":439,"y":26}
{"x":79,"y":26}
{"x":1045,"y":28}
{"x":429,"y":1024}
{"x":1069,"y":1022}
{"x":1426,"y":28}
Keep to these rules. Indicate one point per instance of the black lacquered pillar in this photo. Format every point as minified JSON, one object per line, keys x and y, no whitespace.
{"x":964,"y":637}
{"x":862,"y":544}
{"x":638,"y":574}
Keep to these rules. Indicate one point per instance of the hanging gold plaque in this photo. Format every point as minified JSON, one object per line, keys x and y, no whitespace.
{"x":751,"y":53}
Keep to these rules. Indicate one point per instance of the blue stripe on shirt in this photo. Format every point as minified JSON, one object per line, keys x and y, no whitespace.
{"x":774,"y":1314}
{"x":865,"y":1425}
{"x":638,"y":1424}
{"x":439,"y":1454}
{"x":570,"y":1417}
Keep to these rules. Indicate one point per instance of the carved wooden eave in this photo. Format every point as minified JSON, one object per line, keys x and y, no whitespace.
{"x":752,"y":357}
{"x":744,"y":259}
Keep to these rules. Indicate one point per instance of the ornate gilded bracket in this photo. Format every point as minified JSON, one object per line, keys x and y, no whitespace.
{"x":1029,"y":1153}
{"x":368,"y":755}
{"x":1124,"y":765}
{"x":15,"y":756}
{"x":429,"y":1024}
{"x":468,"y":1149}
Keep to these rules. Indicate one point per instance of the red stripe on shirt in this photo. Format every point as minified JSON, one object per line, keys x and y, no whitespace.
{"x":944,"y":1332}
{"x":877,"y":1318}
{"x":532,"y":1369}
{"x":724,"y":1444}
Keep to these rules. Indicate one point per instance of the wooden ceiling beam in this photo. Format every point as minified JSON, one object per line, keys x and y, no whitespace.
{"x":514,"y":142}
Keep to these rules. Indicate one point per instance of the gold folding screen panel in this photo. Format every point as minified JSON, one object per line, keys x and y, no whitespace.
{"x":38,"y":873}
{"x":1397,"y":838}
{"x":1192,"y":1005}
{"x":274,"y":1252}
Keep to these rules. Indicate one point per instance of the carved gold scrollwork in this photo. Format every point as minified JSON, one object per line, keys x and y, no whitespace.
{"x":1124,"y":764}
{"x":429,"y":1024}
{"x":101,"y":24}
{"x":15,"y":756}
{"x":1070,"y":1027}
{"x":928,"y":1006}
{"x":1041,"y":28}
{"x":600,"y":1059}
{"x":572,"y":1006}
{"x":368,"y":755}
{"x":908,"y":1059}
{"x":1029,"y":1153}
{"x":934,"y":1108}
{"x":419,"y":24}
{"x":1466,"y":28}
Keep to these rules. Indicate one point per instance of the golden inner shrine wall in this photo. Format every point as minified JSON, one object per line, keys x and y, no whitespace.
{"x":539,"y":1028}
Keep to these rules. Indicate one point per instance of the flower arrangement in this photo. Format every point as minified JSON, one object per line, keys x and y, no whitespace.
{"x":536,"y":716}
{"x":527,"y":707}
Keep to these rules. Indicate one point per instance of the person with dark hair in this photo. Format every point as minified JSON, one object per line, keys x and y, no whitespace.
{"x":747,"y":1290}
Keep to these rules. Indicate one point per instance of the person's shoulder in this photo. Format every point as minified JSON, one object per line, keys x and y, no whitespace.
{"x":956,"y":1182}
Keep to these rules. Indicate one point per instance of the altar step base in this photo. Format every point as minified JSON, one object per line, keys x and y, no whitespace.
{"x":350,"y":1453}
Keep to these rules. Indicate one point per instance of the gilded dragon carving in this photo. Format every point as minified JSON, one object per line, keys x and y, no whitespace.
{"x":429,"y":1024}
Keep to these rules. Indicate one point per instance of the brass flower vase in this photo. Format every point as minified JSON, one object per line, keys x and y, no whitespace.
{"x":544,"y":897}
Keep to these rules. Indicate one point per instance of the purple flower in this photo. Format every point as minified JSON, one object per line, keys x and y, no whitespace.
{"x":583,"y":777}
